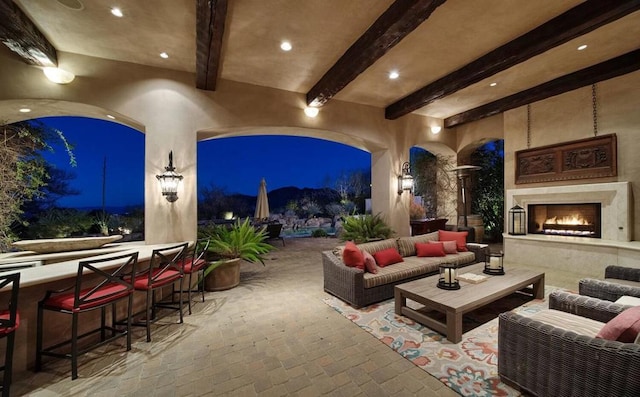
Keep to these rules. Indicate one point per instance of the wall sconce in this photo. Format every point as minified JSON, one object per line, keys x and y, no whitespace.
{"x":517,"y":220}
{"x":169,"y":181}
{"x":405,"y":180}
{"x":58,"y":76}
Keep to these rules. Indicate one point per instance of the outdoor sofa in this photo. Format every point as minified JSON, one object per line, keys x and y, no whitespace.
{"x":361,"y":288}
{"x":555,"y":352}
{"x":618,"y":281}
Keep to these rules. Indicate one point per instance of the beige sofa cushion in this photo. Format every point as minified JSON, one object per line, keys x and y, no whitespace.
{"x":570,"y":322}
{"x":376,"y":246}
{"x":407,"y":245}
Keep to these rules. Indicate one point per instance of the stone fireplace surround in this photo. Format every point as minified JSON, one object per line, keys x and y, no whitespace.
{"x":586,"y":257}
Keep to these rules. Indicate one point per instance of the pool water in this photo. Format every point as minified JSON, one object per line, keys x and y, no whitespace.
{"x":307,"y":231}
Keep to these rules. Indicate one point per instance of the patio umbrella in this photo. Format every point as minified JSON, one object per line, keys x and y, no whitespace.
{"x":262,"y":203}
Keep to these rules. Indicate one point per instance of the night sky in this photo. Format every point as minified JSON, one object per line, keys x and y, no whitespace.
{"x":234,"y":164}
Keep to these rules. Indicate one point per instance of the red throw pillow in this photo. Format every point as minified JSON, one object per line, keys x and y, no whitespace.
{"x":352,"y":256}
{"x":450,"y":247}
{"x":370,"y":263}
{"x":430,"y":249}
{"x":459,"y":237}
{"x":624,"y":327}
{"x":387,"y":257}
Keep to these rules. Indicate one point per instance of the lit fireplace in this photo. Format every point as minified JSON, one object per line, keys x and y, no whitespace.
{"x":581,"y":220}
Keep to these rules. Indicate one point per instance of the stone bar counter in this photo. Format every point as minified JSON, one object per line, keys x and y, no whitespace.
{"x":58,"y":270}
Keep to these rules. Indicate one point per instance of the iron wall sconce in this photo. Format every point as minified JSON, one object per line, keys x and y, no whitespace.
{"x":517,"y":220}
{"x":405,"y":180}
{"x":169,"y":181}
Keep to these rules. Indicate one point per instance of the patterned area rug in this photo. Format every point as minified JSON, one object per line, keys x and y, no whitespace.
{"x":469,"y":367}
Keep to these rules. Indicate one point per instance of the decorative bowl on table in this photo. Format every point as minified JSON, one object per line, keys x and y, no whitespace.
{"x":51,"y":245}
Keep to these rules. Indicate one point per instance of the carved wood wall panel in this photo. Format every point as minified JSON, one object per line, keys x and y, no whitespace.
{"x":586,"y":158}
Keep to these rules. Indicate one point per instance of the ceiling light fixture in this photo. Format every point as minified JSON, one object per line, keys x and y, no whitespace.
{"x":311,"y":111}
{"x":25,"y":110}
{"x":111,"y":117}
{"x":394,"y":74}
{"x":435,"y":129}
{"x":117,"y":12}
{"x":58,"y":76}
{"x":493,"y":84}
{"x":164,"y":55}
{"x":582,"y":47}
{"x":286,"y":46}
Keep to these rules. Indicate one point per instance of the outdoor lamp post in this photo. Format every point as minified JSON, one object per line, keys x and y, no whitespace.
{"x":169,"y":181}
{"x":405,"y":180}
{"x":517,"y":221}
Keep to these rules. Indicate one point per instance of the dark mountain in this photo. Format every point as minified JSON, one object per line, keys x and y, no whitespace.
{"x":278,"y":198}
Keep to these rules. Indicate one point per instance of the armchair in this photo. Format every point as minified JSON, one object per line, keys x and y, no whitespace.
{"x":549,"y":360}
{"x":619,"y":281}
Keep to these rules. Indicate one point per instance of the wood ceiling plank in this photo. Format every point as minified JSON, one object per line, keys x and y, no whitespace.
{"x":400,"y":19}
{"x":24,"y":38}
{"x":614,"y":67}
{"x":210,"y":21}
{"x":573,"y":23}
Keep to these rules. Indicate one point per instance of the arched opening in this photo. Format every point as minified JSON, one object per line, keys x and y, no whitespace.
{"x":311,"y":182}
{"x":94,"y":188}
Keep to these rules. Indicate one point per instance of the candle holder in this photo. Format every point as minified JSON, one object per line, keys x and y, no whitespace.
{"x":448,"y":277}
{"x":495,"y":267}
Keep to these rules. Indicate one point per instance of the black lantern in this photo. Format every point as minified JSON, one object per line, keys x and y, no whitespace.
{"x":169,"y":181}
{"x":494,"y":266}
{"x":405,"y":180}
{"x":517,"y":221}
{"x":448,"y":276}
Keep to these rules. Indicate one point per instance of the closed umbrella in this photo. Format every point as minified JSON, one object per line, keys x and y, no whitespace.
{"x":262,"y":203}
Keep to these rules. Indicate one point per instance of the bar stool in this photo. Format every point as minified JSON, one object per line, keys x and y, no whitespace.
{"x":9,"y":322}
{"x":194,"y":263}
{"x":94,"y":289}
{"x":164,"y":269}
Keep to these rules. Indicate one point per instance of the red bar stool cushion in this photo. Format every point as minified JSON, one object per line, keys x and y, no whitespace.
{"x":4,"y":315}
{"x":166,"y":277}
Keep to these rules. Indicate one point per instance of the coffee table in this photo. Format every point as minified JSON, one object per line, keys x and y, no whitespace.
{"x":455,"y":303}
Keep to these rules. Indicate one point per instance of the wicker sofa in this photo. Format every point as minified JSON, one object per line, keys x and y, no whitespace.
{"x":360,"y":288}
{"x":562,"y":357}
{"x":618,"y":281}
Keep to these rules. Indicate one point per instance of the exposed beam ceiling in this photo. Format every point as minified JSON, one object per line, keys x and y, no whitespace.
{"x":618,"y":66}
{"x":23,"y":37}
{"x":579,"y":20}
{"x":400,"y":19}
{"x":210,"y":20}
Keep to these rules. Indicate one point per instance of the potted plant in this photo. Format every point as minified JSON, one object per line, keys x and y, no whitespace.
{"x":229,"y":245}
{"x":363,"y":228}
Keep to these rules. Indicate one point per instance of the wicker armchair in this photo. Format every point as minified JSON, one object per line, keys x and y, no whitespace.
{"x":618,"y":281}
{"x":544,"y":360}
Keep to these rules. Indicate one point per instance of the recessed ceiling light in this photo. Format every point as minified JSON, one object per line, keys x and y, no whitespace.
{"x":164,"y":55}
{"x":493,"y":84}
{"x":111,"y":117}
{"x":117,"y":12}
{"x":435,"y":129}
{"x":582,"y":47}
{"x":286,"y":46}
{"x":394,"y":74}
{"x":25,"y":110}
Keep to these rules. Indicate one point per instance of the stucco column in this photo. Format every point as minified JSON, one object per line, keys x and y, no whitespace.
{"x":165,"y":221}
{"x":385,"y":168}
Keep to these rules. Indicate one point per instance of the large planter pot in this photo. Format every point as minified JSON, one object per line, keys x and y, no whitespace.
{"x":223,"y":277}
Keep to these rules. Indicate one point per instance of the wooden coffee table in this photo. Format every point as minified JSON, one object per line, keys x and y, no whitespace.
{"x":455,"y":303}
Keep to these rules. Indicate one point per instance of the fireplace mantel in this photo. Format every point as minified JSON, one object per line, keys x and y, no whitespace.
{"x":615,"y":198}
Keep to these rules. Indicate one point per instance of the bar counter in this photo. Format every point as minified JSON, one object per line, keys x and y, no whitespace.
{"x":57,"y":272}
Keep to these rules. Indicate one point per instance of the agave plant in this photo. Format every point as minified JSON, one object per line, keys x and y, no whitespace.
{"x":363,"y":228}
{"x":241,"y":240}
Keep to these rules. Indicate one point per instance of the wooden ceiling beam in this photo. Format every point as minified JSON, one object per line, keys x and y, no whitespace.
{"x":24,"y":38}
{"x":573,"y":23}
{"x":614,"y":67}
{"x":210,"y":20}
{"x":400,"y":19}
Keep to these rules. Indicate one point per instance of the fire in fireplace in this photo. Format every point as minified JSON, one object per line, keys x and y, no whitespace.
{"x":580,"y":220}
